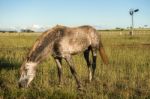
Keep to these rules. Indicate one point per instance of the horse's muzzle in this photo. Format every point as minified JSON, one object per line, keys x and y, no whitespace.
{"x":22,"y":84}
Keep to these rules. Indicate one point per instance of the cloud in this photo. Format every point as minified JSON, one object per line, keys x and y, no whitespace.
{"x":35,"y":26}
{"x":38,"y":28}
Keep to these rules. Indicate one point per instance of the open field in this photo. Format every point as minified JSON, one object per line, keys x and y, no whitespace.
{"x":126,"y":77}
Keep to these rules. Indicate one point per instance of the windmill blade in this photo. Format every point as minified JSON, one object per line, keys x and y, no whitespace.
{"x":136,"y":10}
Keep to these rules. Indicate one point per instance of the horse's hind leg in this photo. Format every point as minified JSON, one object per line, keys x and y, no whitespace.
{"x":72,"y":69}
{"x":59,"y":67}
{"x":86,"y":56}
{"x":94,"y":56}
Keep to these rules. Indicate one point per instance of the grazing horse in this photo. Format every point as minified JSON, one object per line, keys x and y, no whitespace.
{"x":63,"y":42}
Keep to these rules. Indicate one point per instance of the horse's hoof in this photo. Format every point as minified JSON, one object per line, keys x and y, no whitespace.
{"x":60,"y":85}
{"x":90,"y":80}
{"x":80,"y":88}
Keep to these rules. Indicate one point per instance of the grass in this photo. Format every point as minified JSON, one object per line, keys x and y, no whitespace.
{"x":126,"y":77}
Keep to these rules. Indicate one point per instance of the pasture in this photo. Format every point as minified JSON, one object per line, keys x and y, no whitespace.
{"x":126,"y":77}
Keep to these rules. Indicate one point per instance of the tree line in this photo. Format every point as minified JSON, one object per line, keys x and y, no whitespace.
{"x":14,"y":31}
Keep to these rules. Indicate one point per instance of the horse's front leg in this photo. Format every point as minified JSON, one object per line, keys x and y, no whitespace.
{"x":59,"y":68}
{"x":73,"y":71}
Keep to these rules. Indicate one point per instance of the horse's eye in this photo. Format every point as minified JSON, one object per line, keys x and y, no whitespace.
{"x":26,"y":68}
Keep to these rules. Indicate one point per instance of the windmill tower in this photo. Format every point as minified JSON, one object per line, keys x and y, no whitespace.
{"x":131,"y":12}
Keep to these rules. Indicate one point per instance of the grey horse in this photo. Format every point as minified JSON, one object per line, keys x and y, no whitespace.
{"x":62,"y":42}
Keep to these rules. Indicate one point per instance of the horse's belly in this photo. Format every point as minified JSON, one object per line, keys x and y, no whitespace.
{"x":74,"y":46}
{"x":73,"y":49}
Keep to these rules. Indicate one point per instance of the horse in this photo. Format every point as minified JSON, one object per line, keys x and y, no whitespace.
{"x":62,"y":42}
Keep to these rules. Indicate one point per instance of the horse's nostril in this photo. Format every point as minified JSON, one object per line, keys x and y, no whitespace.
{"x":22,"y":84}
{"x":19,"y":84}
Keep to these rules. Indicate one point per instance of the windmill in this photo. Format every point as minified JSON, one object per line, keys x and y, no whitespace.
{"x":131,"y":12}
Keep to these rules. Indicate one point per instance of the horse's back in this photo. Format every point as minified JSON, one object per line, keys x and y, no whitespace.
{"x":75,"y":40}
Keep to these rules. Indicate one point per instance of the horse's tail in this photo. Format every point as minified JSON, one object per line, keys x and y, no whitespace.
{"x":102,"y":53}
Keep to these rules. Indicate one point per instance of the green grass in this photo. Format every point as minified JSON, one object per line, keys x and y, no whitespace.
{"x":126,"y":77}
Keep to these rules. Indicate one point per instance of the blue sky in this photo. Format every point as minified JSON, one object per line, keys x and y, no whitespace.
{"x":103,"y":13}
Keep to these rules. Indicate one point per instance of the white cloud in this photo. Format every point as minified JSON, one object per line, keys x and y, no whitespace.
{"x":38,"y":28}
{"x":35,"y":26}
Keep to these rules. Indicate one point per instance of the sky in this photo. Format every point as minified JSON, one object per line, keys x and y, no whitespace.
{"x":48,"y":13}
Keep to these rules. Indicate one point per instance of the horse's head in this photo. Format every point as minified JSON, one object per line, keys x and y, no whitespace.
{"x":27,"y":73}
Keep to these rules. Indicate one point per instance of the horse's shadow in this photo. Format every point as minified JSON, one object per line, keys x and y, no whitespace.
{"x":8,"y":64}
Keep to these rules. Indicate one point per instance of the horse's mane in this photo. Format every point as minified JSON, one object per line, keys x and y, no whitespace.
{"x":44,"y":41}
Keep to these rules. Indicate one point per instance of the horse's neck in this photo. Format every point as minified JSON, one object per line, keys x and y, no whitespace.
{"x":42,"y":47}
